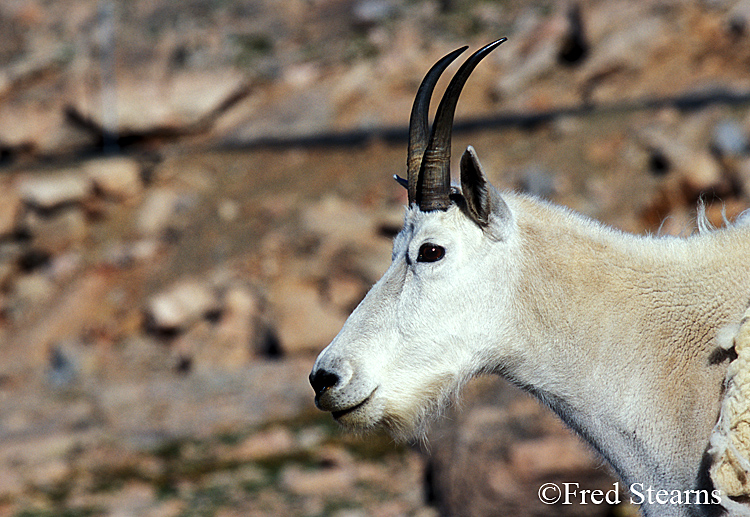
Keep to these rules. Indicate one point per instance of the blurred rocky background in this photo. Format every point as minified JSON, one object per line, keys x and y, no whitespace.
{"x":194,"y":195}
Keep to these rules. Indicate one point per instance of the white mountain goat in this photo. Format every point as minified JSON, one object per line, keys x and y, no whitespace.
{"x":616,"y":333}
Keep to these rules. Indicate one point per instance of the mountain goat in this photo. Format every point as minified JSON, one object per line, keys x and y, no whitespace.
{"x":616,"y":333}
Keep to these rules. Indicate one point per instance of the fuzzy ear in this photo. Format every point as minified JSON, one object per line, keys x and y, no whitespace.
{"x":484,"y":204}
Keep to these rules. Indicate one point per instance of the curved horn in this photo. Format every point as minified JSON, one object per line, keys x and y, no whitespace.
{"x":418,"y":136}
{"x":433,"y":189}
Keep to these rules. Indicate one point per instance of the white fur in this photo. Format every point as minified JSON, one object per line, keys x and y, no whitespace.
{"x":615,"y":332}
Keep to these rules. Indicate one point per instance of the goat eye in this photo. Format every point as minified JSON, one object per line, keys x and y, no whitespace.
{"x":430,"y":253}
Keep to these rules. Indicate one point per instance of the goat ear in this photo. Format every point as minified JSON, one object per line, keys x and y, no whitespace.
{"x":484,"y":204}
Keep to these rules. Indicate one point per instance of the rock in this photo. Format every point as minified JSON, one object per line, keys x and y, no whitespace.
{"x":158,"y":211}
{"x":25,"y":123}
{"x":743,"y":174}
{"x":39,"y":448}
{"x":311,"y":438}
{"x":728,"y":139}
{"x":539,"y":458}
{"x":168,"y":508}
{"x":49,"y":474}
{"x":147,"y":104}
{"x":322,"y":482}
{"x":118,"y":178}
{"x":738,"y":18}
{"x":61,"y":230}
{"x":697,"y":170}
{"x":194,"y":350}
{"x":626,"y":48}
{"x":337,"y":219}
{"x":299,"y":111}
{"x":11,"y":483}
{"x":63,"y":368}
{"x":391,"y":220}
{"x":80,"y":305}
{"x":71,"y":361}
{"x":700,"y":172}
{"x":135,"y":498}
{"x":537,"y":182}
{"x":8,"y":270}
{"x":29,"y":65}
{"x":228,"y":210}
{"x":272,"y":443}
{"x":64,"y":266}
{"x":33,"y":290}
{"x":345,"y":292}
{"x":10,"y":209}
{"x":373,"y":259}
{"x":153,"y":411}
{"x":237,"y":330}
{"x":304,"y":322}
{"x":367,"y":13}
{"x":143,"y":354}
{"x":532,"y":54}
{"x":353,"y":512}
{"x":53,"y":190}
{"x":301,"y":75}
{"x":343,"y":226}
{"x":182,"y":305}
{"x":123,"y":255}
{"x":195,"y":95}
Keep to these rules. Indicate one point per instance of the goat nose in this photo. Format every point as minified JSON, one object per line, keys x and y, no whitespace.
{"x":321,"y":380}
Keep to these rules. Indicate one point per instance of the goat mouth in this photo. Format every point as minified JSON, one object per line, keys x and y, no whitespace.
{"x":337,"y":415}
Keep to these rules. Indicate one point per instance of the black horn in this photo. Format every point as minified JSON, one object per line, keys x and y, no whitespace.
{"x":418,"y":130}
{"x":433,"y":184}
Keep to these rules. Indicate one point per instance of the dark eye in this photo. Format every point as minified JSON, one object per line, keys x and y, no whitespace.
{"x":429,"y":252}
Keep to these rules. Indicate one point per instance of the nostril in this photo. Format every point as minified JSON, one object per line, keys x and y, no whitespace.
{"x":321,"y":380}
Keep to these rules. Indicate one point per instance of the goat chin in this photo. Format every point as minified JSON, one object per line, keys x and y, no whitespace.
{"x":408,"y":414}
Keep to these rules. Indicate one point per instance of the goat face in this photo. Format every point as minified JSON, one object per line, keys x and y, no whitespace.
{"x":424,"y":328}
